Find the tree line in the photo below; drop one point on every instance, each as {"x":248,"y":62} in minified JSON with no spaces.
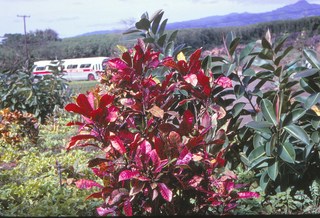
{"x":46,"y":44}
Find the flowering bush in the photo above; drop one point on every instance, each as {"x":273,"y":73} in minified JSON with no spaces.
{"x":160,"y":135}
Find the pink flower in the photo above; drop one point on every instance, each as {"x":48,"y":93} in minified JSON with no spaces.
{"x":223,"y":81}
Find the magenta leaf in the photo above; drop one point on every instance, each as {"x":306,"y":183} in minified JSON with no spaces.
{"x":112,"y":114}
{"x":185,"y":157}
{"x":87,"y":184}
{"x":117,"y":144}
{"x":105,"y":211}
{"x":195,"y":181}
{"x":154,"y":157}
{"x":165,"y":192}
{"x":248,"y":195}
{"x":127,"y":174}
{"x":117,"y":63}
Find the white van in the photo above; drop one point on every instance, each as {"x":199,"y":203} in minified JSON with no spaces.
{"x":74,"y":69}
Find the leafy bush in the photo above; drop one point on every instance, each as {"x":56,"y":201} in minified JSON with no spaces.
{"x":280,"y":138}
{"x":14,"y":126}
{"x":159,"y":127}
{"x":19,"y":90}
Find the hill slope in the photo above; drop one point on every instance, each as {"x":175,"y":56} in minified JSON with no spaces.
{"x":294,"y":11}
{"x":297,"y":10}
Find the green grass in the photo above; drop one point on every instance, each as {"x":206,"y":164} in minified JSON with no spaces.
{"x":82,"y":86}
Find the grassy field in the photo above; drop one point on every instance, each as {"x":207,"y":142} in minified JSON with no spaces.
{"x":82,"y":86}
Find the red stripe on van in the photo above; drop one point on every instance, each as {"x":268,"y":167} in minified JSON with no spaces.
{"x":41,"y":72}
{"x":86,"y":70}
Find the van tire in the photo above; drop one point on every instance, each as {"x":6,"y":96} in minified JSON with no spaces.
{"x":91,"y":77}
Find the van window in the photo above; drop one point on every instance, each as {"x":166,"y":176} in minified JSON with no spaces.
{"x":40,"y":68}
{"x":85,"y":65}
{"x":72,"y":66}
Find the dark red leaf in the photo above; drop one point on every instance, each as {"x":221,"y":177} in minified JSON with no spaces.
{"x":174,"y":138}
{"x":96,"y":161}
{"x":95,"y":195}
{"x":72,"y":123}
{"x":166,"y":127}
{"x":76,"y":109}
{"x":83,"y":102}
{"x":169,"y":62}
{"x":127,"y":208}
{"x":106,"y":100}
{"x":77,"y":138}
{"x":136,"y":188}
{"x":127,"y":58}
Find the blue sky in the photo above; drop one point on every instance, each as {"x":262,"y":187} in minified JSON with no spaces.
{"x":74,"y":17}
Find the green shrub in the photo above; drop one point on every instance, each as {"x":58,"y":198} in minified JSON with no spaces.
{"x":22,"y":91}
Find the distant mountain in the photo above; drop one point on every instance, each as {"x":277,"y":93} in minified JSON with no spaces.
{"x":294,"y":11}
{"x":297,"y":10}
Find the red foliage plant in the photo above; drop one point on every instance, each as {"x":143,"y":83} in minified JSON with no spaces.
{"x":162,"y":142}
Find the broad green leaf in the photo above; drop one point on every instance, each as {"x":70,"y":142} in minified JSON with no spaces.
{"x":162,"y":27}
{"x":311,"y":57}
{"x":260,"y":162}
{"x":239,"y":91}
{"x":256,"y":153}
{"x":298,"y":133}
{"x":265,"y":43}
{"x":247,"y":50}
{"x":233,"y":45}
{"x":244,"y":159}
{"x":156,"y":21}
{"x":229,"y":39}
{"x":287,"y":152}
{"x":259,"y":125}
{"x":143,"y":24}
{"x":268,"y":111}
{"x":273,"y":170}
{"x":173,"y":36}
{"x":306,"y":73}
{"x":315,"y":137}
{"x":264,"y":180}
{"x":271,"y":144}
{"x":312,"y":100}
{"x":279,"y":43}
{"x":162,"y":40}
{"x":307,"y":151}
{"x":169,"y":49}
{"x":249,"y":72}
{"x":237,"y":108}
